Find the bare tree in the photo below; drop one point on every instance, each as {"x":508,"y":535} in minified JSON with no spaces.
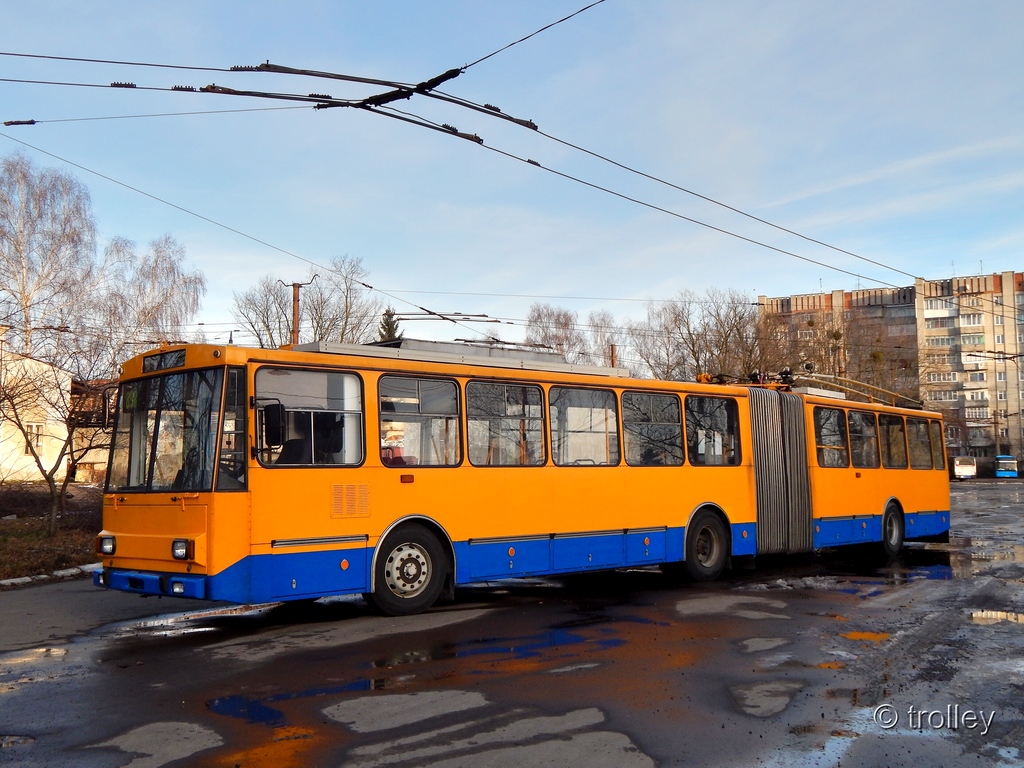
{"x":656,"y":340}
{"x":47,"y":249}
{"x":338,"y":307}
{"x":557,"y":329}
{"x":70,"y":316}
{"x":717,"y":333}
{"x":265,"y":310}
{"x":605,"y":337}
{"x":148,"y":296}
{"x":334,"y":305}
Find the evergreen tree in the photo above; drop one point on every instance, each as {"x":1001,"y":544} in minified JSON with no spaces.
{"x":388,"y":329}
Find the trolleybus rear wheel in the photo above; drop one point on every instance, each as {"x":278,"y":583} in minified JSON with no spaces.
{"x":707,"y":547}
{"x":892,"y":531}
{"x":410,"y":571}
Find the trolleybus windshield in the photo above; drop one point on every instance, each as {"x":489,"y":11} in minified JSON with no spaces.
{"x":165,"y":436}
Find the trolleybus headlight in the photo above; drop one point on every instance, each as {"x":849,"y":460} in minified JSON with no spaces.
{"x":106,"y":545}
{"x":183,"y":549}
{"x":177,"y":588}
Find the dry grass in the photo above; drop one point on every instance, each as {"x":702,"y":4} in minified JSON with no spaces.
{"x":26,"y":550}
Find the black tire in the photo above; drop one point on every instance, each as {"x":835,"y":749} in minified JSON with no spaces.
{"x":410,"y":571}
{"x":707,"y":547}
{"x":892,"y":531}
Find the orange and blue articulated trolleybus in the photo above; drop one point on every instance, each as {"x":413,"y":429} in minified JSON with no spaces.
{"x":400,"y":472}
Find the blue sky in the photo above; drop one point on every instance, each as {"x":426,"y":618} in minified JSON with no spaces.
{"x":894,"y":130}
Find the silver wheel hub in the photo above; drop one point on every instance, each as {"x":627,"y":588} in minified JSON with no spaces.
{"x":407,"y":570}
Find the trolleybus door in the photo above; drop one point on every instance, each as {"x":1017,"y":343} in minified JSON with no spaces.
{"x":780,"y":472}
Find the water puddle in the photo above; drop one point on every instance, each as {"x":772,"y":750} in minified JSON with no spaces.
{"x":765,"y":699}
{"x":996,"y":617}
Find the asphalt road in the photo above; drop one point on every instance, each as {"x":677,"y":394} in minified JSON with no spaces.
{"x":838,"y":659}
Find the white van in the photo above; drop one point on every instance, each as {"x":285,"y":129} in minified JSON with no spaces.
{"x":964,"y":467}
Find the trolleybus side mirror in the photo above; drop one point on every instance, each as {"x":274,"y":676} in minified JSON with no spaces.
{"x":273,"y":424}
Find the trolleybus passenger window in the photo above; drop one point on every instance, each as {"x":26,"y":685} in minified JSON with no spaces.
{"x":920,"y":446}
{"x":863,"y":440}
{"x":323,"y":417}
{"x":652,"y":429}
{"x":830,"y":437}
{"x":894,"y":442}
{"x":419,"y":422}
{"x":938,"y":446}
{"x":584,"y":427}
{"x":712,"y":430}
{"x":506,"y":424}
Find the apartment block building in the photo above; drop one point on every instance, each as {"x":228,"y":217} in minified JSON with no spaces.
{"x":954,"y":344}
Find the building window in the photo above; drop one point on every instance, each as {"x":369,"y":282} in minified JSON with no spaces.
{"x":999,"y":320}
{"x":942,"y":394}
{"x":972,"y":338}
{"x":939,"y":322}
{"x":901,"y":312}
{"x":975,"y":318}
{"x":976,"y":414}
{"x":1000,"y":339}
{"x":1000,"y":375}
{"x":942,"y":376}
{"x":978,"y":394}
{"x":33,"y":438}
{"x":1001,"y":395}
{"x":939,"y":341}
{"x":943,"y":303}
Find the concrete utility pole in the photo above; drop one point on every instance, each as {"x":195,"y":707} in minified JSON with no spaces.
{"x":295,"y":307}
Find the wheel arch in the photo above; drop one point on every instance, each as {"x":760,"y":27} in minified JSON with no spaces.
{"x":717,"y":511}
{"x":895,"y":502}
{"x":431,"y":525}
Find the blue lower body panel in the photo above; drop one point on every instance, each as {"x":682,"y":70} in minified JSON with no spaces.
{"x":860,"y":530}
{"x":304,"y":575}
{"x":481,"y":560}
{"x":151,"y":583}
{"x":256,"y":579}
{"x":920,"y":524}
{"x":847,"y":530}
{"x":744,"y":539}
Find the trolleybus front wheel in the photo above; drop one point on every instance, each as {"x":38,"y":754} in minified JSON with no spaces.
{"x":410,"y":571}
{"x":892,"y":531}
{"x":707,"y":547}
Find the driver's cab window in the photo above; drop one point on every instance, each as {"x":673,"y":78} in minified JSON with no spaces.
{"x":308,"y":418}
{"x":233,"y":453}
